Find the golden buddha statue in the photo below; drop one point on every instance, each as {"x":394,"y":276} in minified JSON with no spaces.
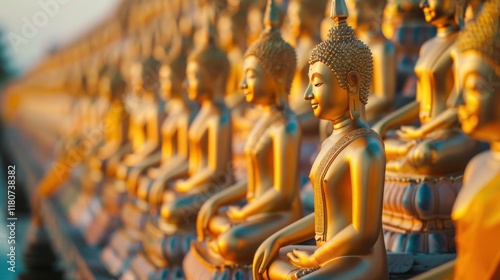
{"x":143,"y":116}
{"x":147,"y":118}
{"x":437,"y":147}
{"x":304,"y":26}
{"x":476,"y":209}
{"x":208,"y":165}
{"x":348,"y":173}
{"x":112,"y":130}
{"x":405,"y":25}
{"x":180,"y":112}
{"x":426,"y":163}
{"x":82,"y":132}
{"x":230,"y":238}
{"x":210,"y":133}
{"x":156,"y":176}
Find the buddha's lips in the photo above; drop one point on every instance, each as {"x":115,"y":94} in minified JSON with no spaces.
{"x":314,"y":105}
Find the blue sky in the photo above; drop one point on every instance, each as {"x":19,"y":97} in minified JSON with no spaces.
{"x":32,"y":27}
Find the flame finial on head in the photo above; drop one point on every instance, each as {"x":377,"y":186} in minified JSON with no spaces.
{"x":271,"y":20}
{"x":338,"y":12}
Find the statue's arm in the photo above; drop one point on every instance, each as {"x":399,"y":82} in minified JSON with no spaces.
{"x":446,"y":119}
{"x":367,"y":166}
{"x":403,"y":115}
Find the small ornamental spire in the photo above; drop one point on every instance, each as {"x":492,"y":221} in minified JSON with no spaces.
{"x":271,"y":21}
{"x":338,"y":12}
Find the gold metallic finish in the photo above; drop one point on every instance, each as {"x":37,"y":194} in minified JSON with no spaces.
{"x":230,"y":238}
{"x":347,"y":177}
{"x":437,"y":147}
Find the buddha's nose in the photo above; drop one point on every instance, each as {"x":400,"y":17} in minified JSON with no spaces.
{"x":243,"y":83}
{"x":308,"y":95}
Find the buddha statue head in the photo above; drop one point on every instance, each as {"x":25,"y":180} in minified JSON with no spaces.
{"x":207,"y":69}
{"x":305,"y":16}
{"x":172,"y":75}
{"x":439,"y":13}
{"x":479,"y":74}
{"x":340,"y":71}
{"x":111,"y":84}
{"x":269,"y":65}
{"x":144,"y":76}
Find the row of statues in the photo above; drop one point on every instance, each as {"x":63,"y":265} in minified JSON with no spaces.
{"x":160,"y":192}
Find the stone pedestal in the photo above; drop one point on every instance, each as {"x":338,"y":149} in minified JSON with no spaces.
{"x":126,"y":242}
{"x":417,"y":214}
{"x":163,"y":250}
{"x":417,"y":220}
{"x":105,"y":214}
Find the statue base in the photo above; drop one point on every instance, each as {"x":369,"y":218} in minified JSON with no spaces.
{"x":417,"y":221}
{"x":163,"y":252}
{"x":126,"y":242}
{"x":199,"y":264}
{"x":105,"y":213}
{"x":120,"y":251}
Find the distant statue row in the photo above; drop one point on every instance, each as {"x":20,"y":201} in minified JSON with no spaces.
{"x":174,"y":182}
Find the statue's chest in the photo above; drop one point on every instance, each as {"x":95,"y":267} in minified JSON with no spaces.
{"x":436,"y":63}
{"x":260,"y":139}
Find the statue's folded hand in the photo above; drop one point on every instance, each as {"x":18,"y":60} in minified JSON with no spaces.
{"x":264,"y":255}
{"x":410,"y":133}
{"x":302,"y":259}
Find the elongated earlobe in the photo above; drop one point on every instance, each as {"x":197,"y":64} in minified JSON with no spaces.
{"x":353,"y":81}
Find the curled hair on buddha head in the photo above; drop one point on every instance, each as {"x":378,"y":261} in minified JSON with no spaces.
{"x":211,"y":58}
{"x":276,"y":56}
{"x":117,"y":83}
{"x":483,"y":35}
{"x":345,"y":55}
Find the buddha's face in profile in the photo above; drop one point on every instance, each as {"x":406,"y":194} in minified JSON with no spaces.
{"x":256,"y":84}
{"x":479,"y":115}
{"x":438,"y":12}
{"x":199,"y":85}
{"x":137,"y":83}
{"x":328,"y":100}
